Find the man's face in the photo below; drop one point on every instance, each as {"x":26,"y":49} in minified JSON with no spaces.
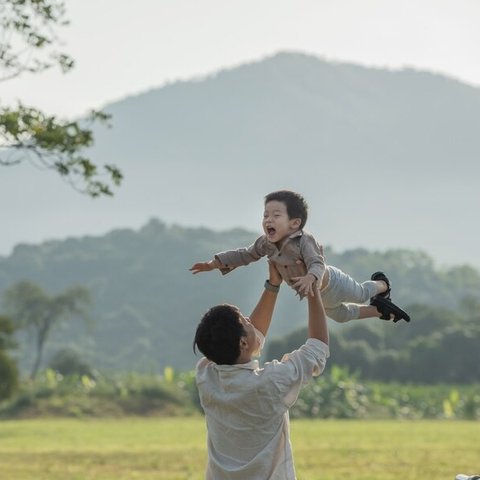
{"x":276,"y":223}
{"x":252,"y":339}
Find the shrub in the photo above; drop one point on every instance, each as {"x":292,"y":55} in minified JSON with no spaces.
{"x":8,"y":376}
{"x":69,"y":362}
{"x":335,"y":394}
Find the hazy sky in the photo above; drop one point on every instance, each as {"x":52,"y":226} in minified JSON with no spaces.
{"x":123,"y":47}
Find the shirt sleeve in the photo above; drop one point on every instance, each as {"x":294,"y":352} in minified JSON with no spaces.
{"x":297,"y":368}
{"x":312,"y":255}
{"x":231,"y":259}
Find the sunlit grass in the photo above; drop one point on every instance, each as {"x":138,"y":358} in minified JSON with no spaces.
{"x":175,"y":449}
{"x":386,"y":450}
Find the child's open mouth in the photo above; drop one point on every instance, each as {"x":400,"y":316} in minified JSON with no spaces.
{"x":271,"y":231}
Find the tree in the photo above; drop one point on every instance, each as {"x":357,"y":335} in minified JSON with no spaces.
{"x":33,"y":309}
{"x":28,"y":39}
{"x":8,"y":369}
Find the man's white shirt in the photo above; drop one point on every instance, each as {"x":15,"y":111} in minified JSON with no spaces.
{"x":246,"y":409}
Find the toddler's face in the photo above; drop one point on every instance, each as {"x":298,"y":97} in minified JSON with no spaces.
{"x":276,"y":223}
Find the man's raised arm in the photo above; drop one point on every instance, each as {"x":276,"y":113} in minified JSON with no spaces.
{"x":317,"y":319}
{"x":261,"y":316}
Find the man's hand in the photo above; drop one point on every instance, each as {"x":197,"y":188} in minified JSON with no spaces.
{"x":304,"y":285}
{"x":203,"y":267}
{"x":274,"y":276}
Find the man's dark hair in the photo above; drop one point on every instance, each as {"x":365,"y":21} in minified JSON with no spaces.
{"x":296,"y":205}
{"x":218,"y":334}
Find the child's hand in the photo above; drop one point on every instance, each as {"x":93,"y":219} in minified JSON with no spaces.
{"x":202,"y":267}
{"x":304,"y":285}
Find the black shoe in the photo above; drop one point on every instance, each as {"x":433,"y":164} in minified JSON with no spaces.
{"x":387,"y":308}
{"x":382,"y":276}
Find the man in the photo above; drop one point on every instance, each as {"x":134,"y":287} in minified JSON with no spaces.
{"x":246,"y":406}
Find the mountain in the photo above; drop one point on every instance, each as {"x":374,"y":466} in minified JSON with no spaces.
{"x":146,"y":304}
{"x":386,"y":159}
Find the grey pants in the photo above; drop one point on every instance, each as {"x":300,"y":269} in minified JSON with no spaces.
{"x":342,"y":295}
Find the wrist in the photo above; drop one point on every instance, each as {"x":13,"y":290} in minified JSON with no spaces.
{"x":271,"y":287}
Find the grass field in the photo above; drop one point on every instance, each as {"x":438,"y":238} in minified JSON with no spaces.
{"x":174,"y":449}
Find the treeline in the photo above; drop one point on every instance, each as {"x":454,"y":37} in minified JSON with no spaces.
{"x":438,"y":346}
{"x":146,"y":304}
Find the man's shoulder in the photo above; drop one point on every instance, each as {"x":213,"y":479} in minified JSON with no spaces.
{"x":203,"y":363}
{"x":311,"y":346}
{"x":204,"y":369}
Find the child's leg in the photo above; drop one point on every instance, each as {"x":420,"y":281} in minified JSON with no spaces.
{"x":343,"y":296}
{"x":353,"y":311}
{"x":342,"y":288}
{"x":368,"y":311}
{"x":344,"y":312}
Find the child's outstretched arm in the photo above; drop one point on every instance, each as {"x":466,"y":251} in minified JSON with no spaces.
{"x":230,"y":259}
{"x":205,"y":266}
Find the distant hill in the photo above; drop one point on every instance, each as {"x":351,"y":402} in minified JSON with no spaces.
{"x":147,"y":304}
{"x":386,"y":159}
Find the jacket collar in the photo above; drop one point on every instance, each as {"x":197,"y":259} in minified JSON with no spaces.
{"x":298,"y":233}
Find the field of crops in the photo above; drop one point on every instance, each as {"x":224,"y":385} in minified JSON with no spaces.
{"x":174,"y":449}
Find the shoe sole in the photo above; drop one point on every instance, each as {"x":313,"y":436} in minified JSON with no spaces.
{"x":387,"y":307}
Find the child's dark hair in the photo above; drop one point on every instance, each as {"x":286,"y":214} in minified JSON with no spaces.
{"x":218,"y":334}
{"x":296,"y":205}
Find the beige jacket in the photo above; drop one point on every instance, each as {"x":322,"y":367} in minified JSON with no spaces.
{"x":301,"y":245}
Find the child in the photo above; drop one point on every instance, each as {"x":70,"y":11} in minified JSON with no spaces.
{"x":288,"y":246}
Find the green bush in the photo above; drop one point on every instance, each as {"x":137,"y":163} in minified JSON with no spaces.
{"x":335,"y":394}
{"x":69,"y":362}
{"x":52,"y":394}
{"x":8,"y":368}
{"x":8,"y":377}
